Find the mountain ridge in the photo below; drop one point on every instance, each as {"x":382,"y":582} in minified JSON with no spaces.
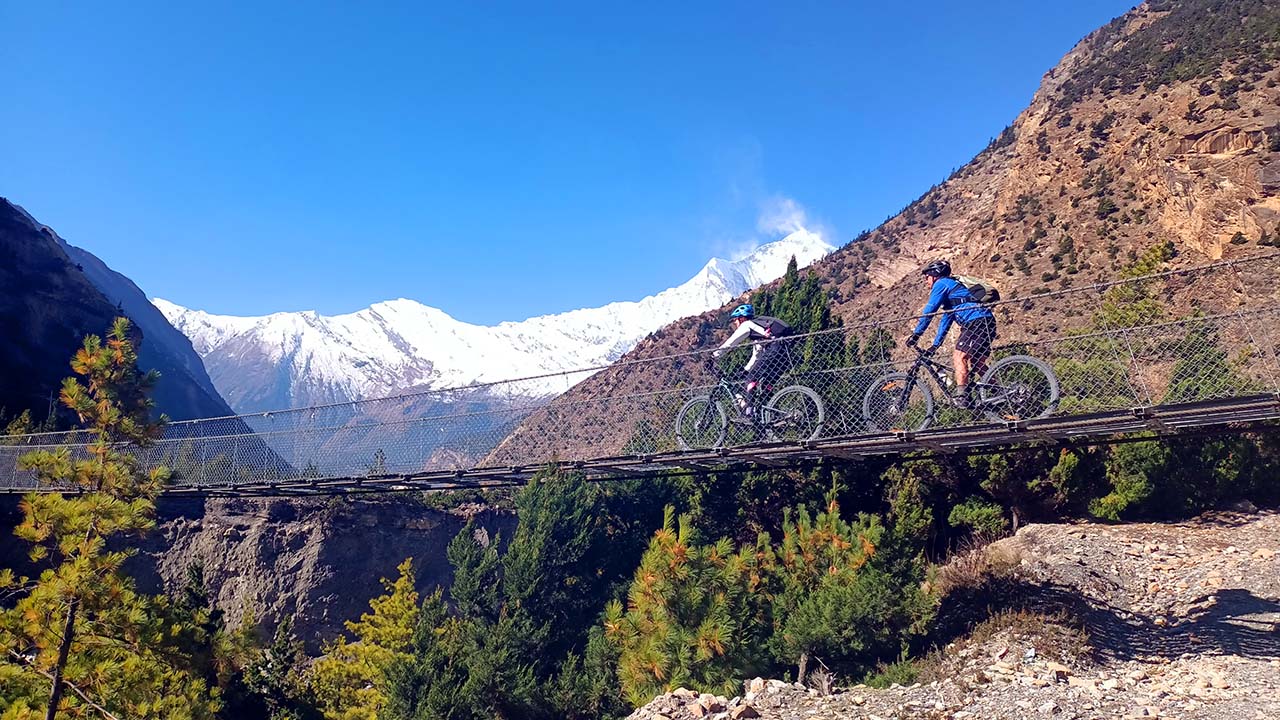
{"x":294,"y":359}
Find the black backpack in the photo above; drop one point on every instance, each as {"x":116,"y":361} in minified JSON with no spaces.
{"x":773,"y":327}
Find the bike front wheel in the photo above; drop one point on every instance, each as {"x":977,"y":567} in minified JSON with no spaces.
{"x":701,"y":424}
{"x":1018,"y":387}
{"x":795,"y":414}
{"x":896,"y":402}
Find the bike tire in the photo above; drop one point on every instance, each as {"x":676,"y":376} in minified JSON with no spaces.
{"x":816,"y":414}
{"x":1034,"y":384}
{"x":880,"y":397}
{"x":700,"y":410}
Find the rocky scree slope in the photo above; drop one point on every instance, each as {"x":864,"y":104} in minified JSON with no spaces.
{"x":1162,"y":126}
{"x":52,"y":294}
{"x":302,"y":359}
{"x":1130,"y":621}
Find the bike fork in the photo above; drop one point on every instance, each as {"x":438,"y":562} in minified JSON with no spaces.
{"x":907,"y":386}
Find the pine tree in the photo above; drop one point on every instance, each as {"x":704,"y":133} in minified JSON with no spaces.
{"x":81,"y":632}
{"x":275,"y":678}
{"x":850,"y":592}
{"x":219,"y":655}
{"x":350,"y":682}
{"x":827,"y":605}
{"x":20,"y":425}
{"x":477,"y":571}
{"x":692,"y":617}
{"x":553,"y":568}
{"x":518,"y":643}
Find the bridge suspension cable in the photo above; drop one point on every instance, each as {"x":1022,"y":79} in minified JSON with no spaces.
{"x":1161,"y":353}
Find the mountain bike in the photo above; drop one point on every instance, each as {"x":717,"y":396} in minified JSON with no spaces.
{"x":794,"y":413}
{"x":1018,"y":387}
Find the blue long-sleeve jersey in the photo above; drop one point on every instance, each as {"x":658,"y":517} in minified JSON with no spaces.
{"x":954,"y":299}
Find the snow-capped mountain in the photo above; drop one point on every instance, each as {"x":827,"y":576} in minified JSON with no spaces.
{"x":303,"y":358}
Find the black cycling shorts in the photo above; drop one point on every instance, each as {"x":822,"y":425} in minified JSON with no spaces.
{"x":976,"y":337}
{"x":773,"y":361}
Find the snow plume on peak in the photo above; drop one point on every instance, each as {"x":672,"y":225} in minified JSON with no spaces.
{"x":299,"y":359}
{"x":782,"y":216}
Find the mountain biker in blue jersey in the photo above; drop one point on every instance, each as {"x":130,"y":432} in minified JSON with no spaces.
{"x":977,"y":326}
{"x":768,"y":359}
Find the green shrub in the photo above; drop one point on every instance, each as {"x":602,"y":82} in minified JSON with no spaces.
{"x":1131,"y":470}
{"x":1192,"y":41}
{"x":900,"y":672}
{"x":979,"y":516}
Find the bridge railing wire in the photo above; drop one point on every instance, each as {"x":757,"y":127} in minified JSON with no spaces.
{"x":1128,"y":343}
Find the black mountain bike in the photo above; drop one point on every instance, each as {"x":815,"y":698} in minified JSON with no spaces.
{"x":1018,"y":387}
{"x":795,"y":413}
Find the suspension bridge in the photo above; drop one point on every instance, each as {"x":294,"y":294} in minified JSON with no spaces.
{"x":1188,"y":351}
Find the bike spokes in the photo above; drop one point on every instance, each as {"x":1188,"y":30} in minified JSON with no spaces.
{"x":1018,"y":388}
{"x":897,"y":402}
{"x":795,"y":414}
{"x":701,"y":424}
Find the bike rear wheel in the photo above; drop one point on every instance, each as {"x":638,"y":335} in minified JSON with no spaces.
{"x":895,"y":402}
{"x":701,"y":424}
{"x":794,"y":414}
{"x":1018,"y":387}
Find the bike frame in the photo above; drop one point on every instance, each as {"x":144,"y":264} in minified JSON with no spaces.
{"x":936,"y":370}
{"x":939,"y":370}
{"x":723,"y":393}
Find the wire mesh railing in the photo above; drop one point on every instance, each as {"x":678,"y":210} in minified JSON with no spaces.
{"x":1195,"y":335}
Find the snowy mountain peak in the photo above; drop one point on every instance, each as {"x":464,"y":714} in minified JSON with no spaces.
{"x":303,"y":358}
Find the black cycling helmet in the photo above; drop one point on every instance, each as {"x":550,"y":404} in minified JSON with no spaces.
{"x":937,"y":268}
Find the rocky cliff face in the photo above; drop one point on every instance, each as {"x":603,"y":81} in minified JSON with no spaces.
{"x":317,"y":560}
{"x":52,"y":294}
{"x":47,"y":306}
{"x":1164,"y":125}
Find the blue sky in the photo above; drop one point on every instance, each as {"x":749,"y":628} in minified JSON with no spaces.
{"x":496,"y":160}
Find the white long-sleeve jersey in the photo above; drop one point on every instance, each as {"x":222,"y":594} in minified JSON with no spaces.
{"x":751,"y":329}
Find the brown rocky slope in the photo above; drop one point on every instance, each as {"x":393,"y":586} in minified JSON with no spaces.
{"x":1164,"y":125}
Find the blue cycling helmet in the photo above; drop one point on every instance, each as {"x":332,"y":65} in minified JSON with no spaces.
{"x":743,"y":311}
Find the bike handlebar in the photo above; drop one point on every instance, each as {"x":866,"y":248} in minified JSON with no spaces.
{"x":714,"y":368}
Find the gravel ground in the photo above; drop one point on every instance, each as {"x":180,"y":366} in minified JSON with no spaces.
{"x":1171,"y":621}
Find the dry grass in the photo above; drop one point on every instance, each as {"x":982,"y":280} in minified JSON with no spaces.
{"x":1056,"y":636}
{"x":1052,"y":634}
{"x":974,"y":564}
{"x":822,"y":680}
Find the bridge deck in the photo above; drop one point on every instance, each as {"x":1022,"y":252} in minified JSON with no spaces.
{"x":1234,"y":415}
